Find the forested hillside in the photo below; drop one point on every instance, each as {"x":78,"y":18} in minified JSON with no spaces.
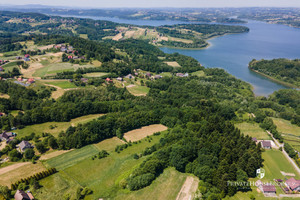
{"x":284,"y":70}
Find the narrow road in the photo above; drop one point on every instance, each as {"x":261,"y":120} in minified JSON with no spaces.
{"x":285,"y":153}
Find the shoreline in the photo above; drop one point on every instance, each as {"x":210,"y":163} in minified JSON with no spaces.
{"x":209,"y":44}
{"x":290,"y":85}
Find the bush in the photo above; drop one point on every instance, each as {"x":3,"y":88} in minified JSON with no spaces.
{"x":139,"y":182}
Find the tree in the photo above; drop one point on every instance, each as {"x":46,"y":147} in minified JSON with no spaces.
{"x":5,"y":191}
{"x":52,"y":143}
{"x":40,"y":147}
{"x":29,"y":153}
{"x":14,"y":155}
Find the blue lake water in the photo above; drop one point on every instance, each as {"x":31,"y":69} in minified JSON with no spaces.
{"x":234,"y":52}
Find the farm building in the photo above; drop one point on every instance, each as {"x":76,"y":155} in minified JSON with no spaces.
{"x":30,"y":80}
{"x":7,"y":135}
{"x":268,"y":189}
{"x":85,"y":80}
{"x":1,"y":69}
{"x":108,"y":80}
{"x":157,"y":76}
{"x":266,"y":144}
{"x":21,"y":195}
{"x":24,"y":145}
{"x":120,"y":79}
{"x":254,"y":139}
{"x":293,"y":184}
{"x":182,"y":75}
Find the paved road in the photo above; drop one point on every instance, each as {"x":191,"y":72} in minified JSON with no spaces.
{"x":285,"y":153}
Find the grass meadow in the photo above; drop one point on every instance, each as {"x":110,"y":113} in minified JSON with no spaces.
{"x":253,"y":130}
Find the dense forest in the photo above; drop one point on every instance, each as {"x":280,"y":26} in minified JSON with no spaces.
{"x":280,"y":69}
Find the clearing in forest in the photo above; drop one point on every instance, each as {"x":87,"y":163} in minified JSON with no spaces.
{"x":253,"y":130}
{"x":143,"y":132}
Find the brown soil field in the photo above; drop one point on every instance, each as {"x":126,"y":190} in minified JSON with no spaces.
{"x":143,"y":132}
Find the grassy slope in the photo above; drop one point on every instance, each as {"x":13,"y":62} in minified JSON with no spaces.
{"x":166,"y":186}
{"x":102,"y":176}
{"x":290,"y":132}
{"x":61,"y":126}
{"x":253,"y":130}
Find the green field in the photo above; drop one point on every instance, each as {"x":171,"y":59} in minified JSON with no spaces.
{"x":166,"y":74}
{"x":285,"y":127}
{"x":138,"y":90}
{"x":9,"y":66}
{"x":53,"y":68}
{"x":59,"y":126}
{"x":64,"y":84}
{"x":101,"y":175}
{"x":71,"y":158}
{"x":290,"y":132}
{"x":166,"y":186}
{"x":199,"y":73}
{"x":95,"y":74}
{"x":253,"y":130}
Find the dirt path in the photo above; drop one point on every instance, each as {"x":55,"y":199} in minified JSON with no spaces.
{"x":58,"y":93}
{"x":188,"y":189}
{"x":12,"y":167}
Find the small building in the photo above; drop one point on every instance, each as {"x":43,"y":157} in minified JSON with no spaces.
{"x":21,"y":195}
{"x":2,"y":114}
{"x":266,"y":144}
{"x":31,"y":80}
{"x":18,"y":57}
{"x":70,"y":57}
{"x":85,"y":80}
{"x":24,"y":145}
{"x":157,"y":76}
{"x":119,"y":79}
{"x":26,"y":59}
{"x":129,"y":76}
{"x":20,"y":79}
{"x":7,"y":135}
{"x":27,"y":56}
{"x":148,"y":74}
{"x":108,"y":80}
{"x":293,"y":184}
{"x":268,"y":188}
{"x":1,"y":69}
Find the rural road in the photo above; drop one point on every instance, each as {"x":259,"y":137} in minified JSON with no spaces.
{"x":285,"y":153}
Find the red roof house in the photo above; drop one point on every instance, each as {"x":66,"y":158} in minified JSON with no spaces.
{"x":27,"y":56}
{"x":268,"y":188}
{"x":31,"y":80}
{"x":266,"y":144}
{"x":293,"y":184}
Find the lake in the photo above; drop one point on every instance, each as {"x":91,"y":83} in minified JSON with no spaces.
{"x":234,"y":52}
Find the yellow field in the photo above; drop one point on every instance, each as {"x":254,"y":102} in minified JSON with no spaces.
{"x":15,"y":172}
{"x":143,"y":132}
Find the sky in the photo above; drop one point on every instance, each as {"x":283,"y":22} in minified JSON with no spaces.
{"x":158,"y":3}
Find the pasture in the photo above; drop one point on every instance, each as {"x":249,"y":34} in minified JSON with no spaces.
{"x":166,"y":186}
{"x":95,"y":74}
{"x":15,"y":172}
{"x":138,"y":90}
{"x":103,"y":176}
{"x":253,"y":130}
{"x":63,"y":84}
{"x":289,"y":132}
{"x":54,"y":128}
